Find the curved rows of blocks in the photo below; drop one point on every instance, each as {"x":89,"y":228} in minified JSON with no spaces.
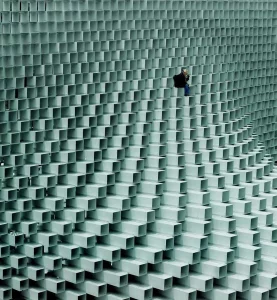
{"x":113,"y":185}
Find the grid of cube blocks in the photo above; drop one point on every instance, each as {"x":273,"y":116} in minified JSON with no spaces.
{"x":113,"y":185}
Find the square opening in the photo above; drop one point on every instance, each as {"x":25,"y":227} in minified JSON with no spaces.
{"x":142,"y":230}
{"x":158,"y":256}
{"x":169,"y":244}
{"x":5,"y":251}
{"x":204,"y":185}
{"x":7,"y":294}
{"x":24,"y":284}
{"x":247,"y":207}
{"x":241,"y":194}
{"x":126,"y":204}
{"x":230,"y":166}
{"x":181,"y":160}
{"x":46,"y":217}
{"x":196,"y":257}
{"x":19,"y":239}
{"x":222,"y":271}
{"x":62,"y":169}
{"x":274,"y":283}
{"x":259,"y":173}
{"x":181,"y":215}
{"x":2,"y":206}
{"x":67,"y":229}
{"x":177,"y":229}
{"x":201,"y":171}
{"x":245,"y":285}
{"x":53,"y":240}
{"x":22,"y":262}
{"x":265,"y":295}
{"x":257,"y":254}
{"x":80,"y":277}
{"x":130,"y":243}
{"x":90,"y":204}
{"x":230,"y":256}
{"x":98,"y":266}
{"x":162,"y":163}
{"x":148,"y":293}
{"x":168,"y":283}
{"x":233,"y":241}
{"x":269,"y":219}
{"x":89,"y":168}
{"x":203,"y":243}
{"x":57,"y":263}
{"x":161,"y":176}
{"x":90,"y":242}
{"x":7,"y":273}
{"x":184,"y":271}
{"x":71,"y":192}
{"x":256,"y":238}
{"x":116,"y":255}
{"x":142,"y":269}
{"x":236,"y":179}
{"x":229,"y":210}
{"x":38,"y":251}
{"x":182,"y":201}
{"x":80,"y":216}
{"x":225,"y":153}
{"x":123,"y":280}
{"x":41,"y":295}
{"x":132,"y":191}
{"x":208,"y":213}
{"x":102,"y":290}
{"x":82,"y":297}
{"x":197,"y":159}
{"x":255,"y":191}
{"x":27,"y":205}
{"x":75,"y":253}
{"x":81,"y":180}
{"x":221,"y":182}
{"x":208,"y":284}
{"x":155,"y":203}
{"x":183,"y":187}
{"x":274,"y":235}
{"x":40,"y":274}
{"x":116,"y":217}
{"x":104,"y":230}
{"x":254,"y":223}
{"x":16,"y":217}
{"x":232,"y":225}
{"x":150,"y":216}
{"x":207,"y":228}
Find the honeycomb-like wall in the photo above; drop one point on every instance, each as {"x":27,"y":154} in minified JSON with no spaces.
{"x":115,"y":186}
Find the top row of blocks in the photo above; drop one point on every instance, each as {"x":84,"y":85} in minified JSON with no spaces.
{"x":50,"y":5}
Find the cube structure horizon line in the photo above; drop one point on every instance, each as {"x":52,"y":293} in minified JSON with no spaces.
{"x":113,"y":185}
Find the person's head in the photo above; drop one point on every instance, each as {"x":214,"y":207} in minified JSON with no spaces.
{"x":185,"y":71}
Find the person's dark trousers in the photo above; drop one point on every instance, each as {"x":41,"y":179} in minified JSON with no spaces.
{"x":187,"y":90}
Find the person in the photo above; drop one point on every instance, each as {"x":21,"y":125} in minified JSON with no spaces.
{"x":181,"y":81}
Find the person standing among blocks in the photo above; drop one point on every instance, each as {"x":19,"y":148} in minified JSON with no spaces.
{"x":181,"y":81}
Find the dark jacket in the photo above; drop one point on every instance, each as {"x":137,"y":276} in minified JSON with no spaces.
{"x":180,"y":80}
